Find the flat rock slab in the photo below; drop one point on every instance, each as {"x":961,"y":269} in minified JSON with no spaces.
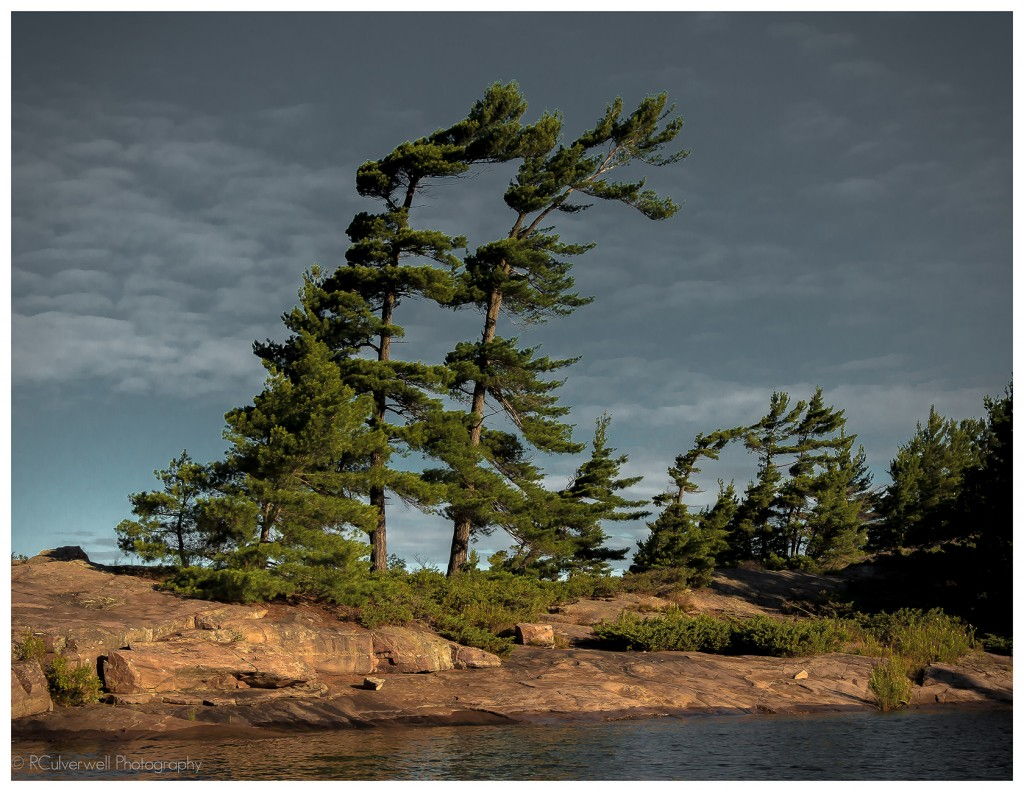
{"x":83,"y":610}
{"x":195,"y":664}
{"x":540,"y":685}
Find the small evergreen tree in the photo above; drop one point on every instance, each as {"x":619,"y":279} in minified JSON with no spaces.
{"x":836,"y":523}
{"x":595,"y":493}
{"x":919,"y":507}
{"x":677,"y":538}
{"x":295,"y":467}
{"x":168,"y":524}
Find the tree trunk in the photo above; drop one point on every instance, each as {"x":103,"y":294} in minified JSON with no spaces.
{"x":463,"y":525}
{"x":378,"y":538}
{"x":179,"y":532}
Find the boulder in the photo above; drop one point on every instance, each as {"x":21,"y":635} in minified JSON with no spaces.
{"x":30,"y":694}
{"x":66,"y":553}
{"x":373,"y":683}
{"x":187,"y":664}
{"x":410,"y":651}
{"x":801,"y":675}
{"x":471,"y":657}
{"x":535,"y":634}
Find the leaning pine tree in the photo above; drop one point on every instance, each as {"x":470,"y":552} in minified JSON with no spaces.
{"x":527,"y":275}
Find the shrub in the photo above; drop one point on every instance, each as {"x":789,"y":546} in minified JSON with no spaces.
{"x":377,"y":613}
{"x":766,"y":636}
{"x":671,"y":630}
{"x":229,"y":585}
{"x":590,"y":587}
{"x":802,"y":563}
{"x":922,"y":637}
{"x":760,"y":635}
{"x":462,"y":631}
{"x":890,"y":684}
{"x":997,"y":644}
{"x":30,"y":647}
{"x":656,"y":581}
{"x":72,"y":685}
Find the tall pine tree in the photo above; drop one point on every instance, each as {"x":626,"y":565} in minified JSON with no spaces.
{"x":527,"y":275}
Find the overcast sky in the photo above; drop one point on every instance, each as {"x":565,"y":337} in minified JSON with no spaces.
{"x":846,"y":221}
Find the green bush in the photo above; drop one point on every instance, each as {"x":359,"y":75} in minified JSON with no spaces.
{"x":802,"y":563}
{"x":462,"y":631}
{"x":922,"y":637}
{"x":890,"y":684}
{"x":997,"y":644}
{"x":375,"y":614}
{"x":656,"y":581}
{"x":669,"y":631}
{"x":72,"y":685}
{"x":589,"y":587}
{"x":30,"y":647}
{"x":761,"y":635}
{"x":229,"y":585}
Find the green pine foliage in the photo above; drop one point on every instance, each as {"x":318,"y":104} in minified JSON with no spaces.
{"x":680,"y":539}
{"x":167,"y":525}
{"x":564,"y":535}
{"x":390,"y":261}
{"x":811,"y":498}
{"x":919,"y":507}
{"x":294,"y":470}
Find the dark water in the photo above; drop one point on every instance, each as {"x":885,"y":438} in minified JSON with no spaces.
{"x":940,"y":745}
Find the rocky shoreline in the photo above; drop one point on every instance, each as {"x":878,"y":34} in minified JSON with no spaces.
{"x":173,"y":666}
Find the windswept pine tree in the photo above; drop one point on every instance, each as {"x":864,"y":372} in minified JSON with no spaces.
{"x":678,"y":539}
{"x":354,"y":309}
{"x":752,"y":535}
{"x":801,"y":514}
{"x":813,"y":441}
{"x":527,"y":275}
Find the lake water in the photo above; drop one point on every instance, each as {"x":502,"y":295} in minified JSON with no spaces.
{"x":923,"y":744}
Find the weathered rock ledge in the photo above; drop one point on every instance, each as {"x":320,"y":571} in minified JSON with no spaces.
{"x":178,"y":666}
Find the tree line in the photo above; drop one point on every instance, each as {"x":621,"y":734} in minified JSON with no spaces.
{"x":343,"y":426}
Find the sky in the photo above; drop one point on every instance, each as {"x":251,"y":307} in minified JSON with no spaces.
{"x":845,"y":222}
